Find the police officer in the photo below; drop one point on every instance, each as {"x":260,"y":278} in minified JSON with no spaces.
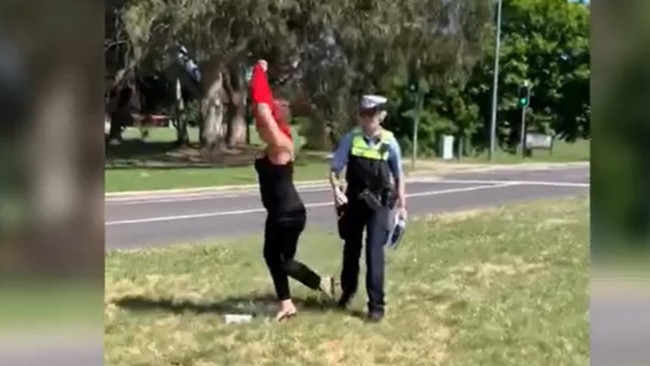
{"x":375,"y":185}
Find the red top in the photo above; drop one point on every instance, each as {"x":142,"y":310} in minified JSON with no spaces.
{"x":261,"y":93}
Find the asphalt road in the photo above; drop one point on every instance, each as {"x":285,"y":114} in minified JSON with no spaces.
{"x":180,"y":218}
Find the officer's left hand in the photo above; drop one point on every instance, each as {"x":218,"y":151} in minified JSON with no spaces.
{"x":340,"y":198}
{"x":401,"y":211}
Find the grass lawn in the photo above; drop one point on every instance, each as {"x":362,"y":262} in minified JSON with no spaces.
{"x":507,"y":286}
{"x":562,"y":152}
{"x":121,"y":180}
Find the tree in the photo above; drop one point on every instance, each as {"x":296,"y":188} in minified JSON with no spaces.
{"x":155,"y":31}
{"x":227,"y":36}
{"x":328,"y":54}
{"x":545,"y":42}
{"x":374,"y":45}
{"x":132,"y":40}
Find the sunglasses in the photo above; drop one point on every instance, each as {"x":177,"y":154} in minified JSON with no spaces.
{"x":369,"y":112}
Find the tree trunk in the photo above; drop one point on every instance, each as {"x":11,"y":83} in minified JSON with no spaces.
{"x":115,"y":130}
{"x":126,"y":103}
{"x":237,"y":112}
{"x":213,"y":112}
{"x":114,"y":120}
{"x":182,"y":136}
{"x":180,"y":120}
{"x":213,"y":107}
{"x":212,"y":124}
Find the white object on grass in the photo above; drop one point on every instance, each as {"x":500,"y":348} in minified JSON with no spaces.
{"x":238,"y":318}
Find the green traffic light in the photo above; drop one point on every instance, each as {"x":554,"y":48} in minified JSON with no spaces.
{"x":523,"y":101}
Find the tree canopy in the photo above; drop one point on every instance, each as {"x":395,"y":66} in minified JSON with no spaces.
{"x":326,"y":54}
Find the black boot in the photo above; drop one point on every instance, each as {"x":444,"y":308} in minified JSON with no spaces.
{"x":375,"y":316}
{"x":344,"y":301}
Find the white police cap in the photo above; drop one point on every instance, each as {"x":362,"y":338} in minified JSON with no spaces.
{"x":372,"y":101}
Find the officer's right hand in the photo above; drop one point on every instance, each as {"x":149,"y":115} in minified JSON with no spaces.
{"x":340,"y":198}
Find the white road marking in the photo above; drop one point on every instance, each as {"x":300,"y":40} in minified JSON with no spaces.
{"x":308,"y":205}
{"x":515,"y":182}
{"x":189,"y":197}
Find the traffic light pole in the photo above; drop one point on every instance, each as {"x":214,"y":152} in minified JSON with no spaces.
{"x":522,"y":129}
{"x":522,"y":132}
{"x":495,"y":84}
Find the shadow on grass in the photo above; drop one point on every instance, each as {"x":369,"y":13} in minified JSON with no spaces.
{"x":137,"y":154}
{"x":257,"y":305}
{"x":140,"y":155}
{"x":137,"y":149}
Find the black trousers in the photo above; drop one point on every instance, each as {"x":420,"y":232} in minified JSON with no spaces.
{"x":358,"y":216}
{"x":281,"y":234}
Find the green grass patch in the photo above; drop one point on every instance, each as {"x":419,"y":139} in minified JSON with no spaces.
{"x":139,"y":179}
{"x":563,"y":152}
{"x":159,"y":134}
{"x":507,"y":286}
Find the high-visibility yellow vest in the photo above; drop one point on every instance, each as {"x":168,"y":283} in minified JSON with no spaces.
{"x":378,"y":151}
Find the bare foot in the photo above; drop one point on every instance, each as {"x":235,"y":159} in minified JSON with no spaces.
{"x":287,"y":310}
